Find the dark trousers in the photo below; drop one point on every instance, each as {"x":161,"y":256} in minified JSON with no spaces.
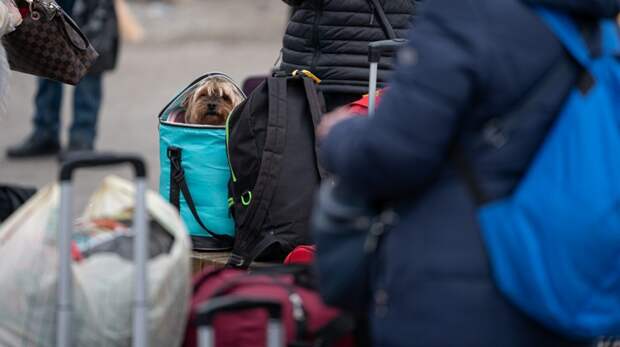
{"x":86,"y":104}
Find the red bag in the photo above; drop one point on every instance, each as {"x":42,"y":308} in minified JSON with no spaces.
{"x":305,"y":318}
{"x":301,"y":255}
{"x":360,"y":107}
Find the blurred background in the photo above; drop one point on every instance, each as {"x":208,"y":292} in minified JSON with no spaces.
{"x":166,"y":45}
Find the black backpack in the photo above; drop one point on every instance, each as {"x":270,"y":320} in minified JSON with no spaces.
{"x":275,"y":170}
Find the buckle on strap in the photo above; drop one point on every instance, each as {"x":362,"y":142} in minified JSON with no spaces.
{"x":236,"y":261}
{"x":308,"y":74}
{"x":174,"y":155}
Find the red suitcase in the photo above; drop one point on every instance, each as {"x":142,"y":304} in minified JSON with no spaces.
{"x":231,"y":307}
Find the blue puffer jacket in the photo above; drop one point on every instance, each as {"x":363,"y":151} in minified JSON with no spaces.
{"x":468,"y":62}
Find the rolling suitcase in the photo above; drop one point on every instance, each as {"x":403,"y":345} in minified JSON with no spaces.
{"x":208,"y":312}
{"x":241,"y":308}
{"x":375,"y":51}
{"x":65,"y":285}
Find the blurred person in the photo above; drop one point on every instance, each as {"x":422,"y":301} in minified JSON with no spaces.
{"x":97,"y":19}
{"x":10,"y":18}
{"x":330,"y":39}
{"x":466,"y":62}
{"x":11,"y":197}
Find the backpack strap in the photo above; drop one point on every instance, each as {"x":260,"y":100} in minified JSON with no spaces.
{"x":316,"y":111}
{"x":564,"y":28}
{"x":573,"y":39}
{"x":249,"y":243}
{"x":383,"y":19}
{"x":178,"y":186}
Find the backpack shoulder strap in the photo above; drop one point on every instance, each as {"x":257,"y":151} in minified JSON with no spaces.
{"x":250,"y":242}
{"x":316,"y":110}
{"x":573,"y":39}
{"x":383,"y":19}
{"x":611,"y":38}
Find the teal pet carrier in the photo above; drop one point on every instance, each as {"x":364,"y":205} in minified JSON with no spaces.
{"x":195,"y":172}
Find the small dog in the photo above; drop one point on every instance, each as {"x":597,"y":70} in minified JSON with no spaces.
{"x":212,"y":102}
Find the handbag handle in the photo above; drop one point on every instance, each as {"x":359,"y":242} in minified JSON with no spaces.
{"x":68,"y":20}
{"x":51,"y":10}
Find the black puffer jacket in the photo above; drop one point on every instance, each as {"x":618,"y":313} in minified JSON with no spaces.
{"x":330,"y":38}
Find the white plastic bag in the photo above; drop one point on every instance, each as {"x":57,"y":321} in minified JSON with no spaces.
{"x":103,"y":282}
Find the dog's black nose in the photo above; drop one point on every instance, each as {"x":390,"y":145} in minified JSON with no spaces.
{"x":211,"y":107}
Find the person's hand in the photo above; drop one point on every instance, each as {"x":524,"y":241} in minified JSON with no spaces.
{"x":330,"y":119}
{"x":10,"y":17}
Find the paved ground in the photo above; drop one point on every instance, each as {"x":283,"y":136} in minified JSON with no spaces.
{"x":239,"y":37}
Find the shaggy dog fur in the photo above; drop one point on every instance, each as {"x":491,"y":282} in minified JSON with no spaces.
{"x":212,"y":102}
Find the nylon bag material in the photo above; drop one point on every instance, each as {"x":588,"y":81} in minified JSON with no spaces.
{"x":204,"y":161}
{"x":555,"y":243}
{"x":273,"y":158}
{"x":206,"y":171}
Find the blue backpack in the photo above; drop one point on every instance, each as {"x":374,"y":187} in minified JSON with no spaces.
{"x":555,"y":242}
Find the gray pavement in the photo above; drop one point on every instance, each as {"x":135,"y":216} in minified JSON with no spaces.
{"x":239,"y":37}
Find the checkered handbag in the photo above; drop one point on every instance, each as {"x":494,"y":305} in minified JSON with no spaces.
{"x":49,"y":44}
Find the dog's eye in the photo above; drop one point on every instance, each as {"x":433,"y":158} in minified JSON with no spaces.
{"x":226,"y":98}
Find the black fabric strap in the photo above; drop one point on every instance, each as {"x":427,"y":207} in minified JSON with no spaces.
{"x":248,"y":233}
{"x":178,"y":185}
{"x":175,"y":191}
{"x":383,"y":19}
{"x":316,"y":110}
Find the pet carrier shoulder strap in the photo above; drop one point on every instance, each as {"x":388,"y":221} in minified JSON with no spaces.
{"x":178,"y":186}
{"x":383,"y":19}
{"x":249,"y":236}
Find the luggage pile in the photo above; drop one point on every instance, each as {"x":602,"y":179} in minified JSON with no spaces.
{"x":85,"y":286}
{"x":121,"y":274}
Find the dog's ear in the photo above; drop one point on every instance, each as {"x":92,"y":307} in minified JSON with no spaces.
{"x":237,"y":98}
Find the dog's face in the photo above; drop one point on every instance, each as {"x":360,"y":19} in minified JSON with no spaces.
{"x":212,"y":102}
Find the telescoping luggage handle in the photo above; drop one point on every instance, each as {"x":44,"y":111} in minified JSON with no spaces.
{"x":65,"y":288}
{"x":375,"y":51}
{"x":208,"y":312}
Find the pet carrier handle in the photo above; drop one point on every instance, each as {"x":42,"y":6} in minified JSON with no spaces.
{"x":65,"y":286}
{"x":208,"y":312}
{"x":377,"y":49}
